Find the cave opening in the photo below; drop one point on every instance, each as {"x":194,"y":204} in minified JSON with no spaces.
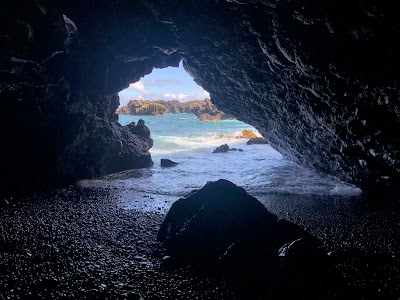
{"x":319,"y":82}
{"x":173,"y":107}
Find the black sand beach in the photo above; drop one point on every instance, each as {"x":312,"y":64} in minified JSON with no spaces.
{"x":79,"y":242}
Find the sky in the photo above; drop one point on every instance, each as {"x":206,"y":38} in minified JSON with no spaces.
{"x":166,"y":84}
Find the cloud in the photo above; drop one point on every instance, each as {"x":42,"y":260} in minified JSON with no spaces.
{"x":126,"y":96}
{"x":176,"y":96}
{"x":139,"y":86}
{"x":203,"y":94}
{"x":163,"y":82}
{"x":144,"y":90}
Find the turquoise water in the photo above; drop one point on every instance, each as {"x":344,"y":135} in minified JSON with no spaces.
{"x":184,"y":132}
{"x":260,"y":169}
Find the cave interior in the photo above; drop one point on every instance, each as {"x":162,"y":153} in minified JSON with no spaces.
{"x":318,"y":79}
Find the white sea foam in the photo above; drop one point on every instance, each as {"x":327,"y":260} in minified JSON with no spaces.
{"x":259,"y":168}
{"x":346,"y":190}
{"x":192,"y":143}
{"x":314,"y":188}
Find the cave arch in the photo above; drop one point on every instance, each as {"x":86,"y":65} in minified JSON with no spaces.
{"x":319,"y":81}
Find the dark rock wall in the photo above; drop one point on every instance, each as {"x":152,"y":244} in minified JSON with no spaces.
{"x":318,"y":79}
{"x":58,"y":101}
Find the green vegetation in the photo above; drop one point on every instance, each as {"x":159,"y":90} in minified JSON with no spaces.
{"x":203,"y":109}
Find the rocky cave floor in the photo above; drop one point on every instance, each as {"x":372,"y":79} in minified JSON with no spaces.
{"x":78,"y":242}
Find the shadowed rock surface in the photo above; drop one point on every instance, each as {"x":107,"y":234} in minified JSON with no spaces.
{"x":221,"y":225}
{"x":318,"y":79}
{"x":213,"y":219}
{"x":219,"y":217}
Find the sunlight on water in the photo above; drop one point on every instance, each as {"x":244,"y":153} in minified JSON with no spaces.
{"x":189,"y":142}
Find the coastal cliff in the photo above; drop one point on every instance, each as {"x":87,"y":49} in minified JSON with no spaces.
{"x":203,"y":109}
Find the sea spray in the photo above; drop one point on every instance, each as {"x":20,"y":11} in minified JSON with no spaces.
{"x":260,"y":169}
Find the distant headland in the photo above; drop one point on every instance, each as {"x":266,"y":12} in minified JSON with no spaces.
{"x":203,"y":109}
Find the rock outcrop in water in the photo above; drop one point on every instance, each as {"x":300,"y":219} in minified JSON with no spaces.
{"x":221,"y":149}
{"x":203,"y":109}
{"x":319,"y":79}
{"x":257,"y":141}
{"x":248,"y":134}
{"x":166,"y":163}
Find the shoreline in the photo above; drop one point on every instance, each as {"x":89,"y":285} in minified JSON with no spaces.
{"x":78,"y":243}
{"x":105,"y":250}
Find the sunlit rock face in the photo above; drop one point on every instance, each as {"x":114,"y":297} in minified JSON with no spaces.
{"x":317,"y":78}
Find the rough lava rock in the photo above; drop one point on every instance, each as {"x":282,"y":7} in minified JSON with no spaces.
{"x":211,"y":220}
{"x":222,"y":227}
{"x":220,"y":216}
{"x":318,"y":79}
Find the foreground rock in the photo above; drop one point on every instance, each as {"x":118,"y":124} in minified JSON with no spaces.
{"x":257,"y":140}
{"x":221,"y":225}
{"x":222,"y":218}
{"x":221,"y":149}
{"x":212,"y":220}
{"x":165,"y":163}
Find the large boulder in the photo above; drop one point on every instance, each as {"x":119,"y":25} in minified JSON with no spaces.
{"x":222,"y":227}
{"x":211,"y":220}
{"x":222,"y":216}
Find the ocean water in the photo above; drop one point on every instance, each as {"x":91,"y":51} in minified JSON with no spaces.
{"x":260,"y":169}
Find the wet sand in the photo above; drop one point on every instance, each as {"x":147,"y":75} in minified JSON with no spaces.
{"x":78,"y":243}
{"x":87,"y":242}
{"x":363,"y":237}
